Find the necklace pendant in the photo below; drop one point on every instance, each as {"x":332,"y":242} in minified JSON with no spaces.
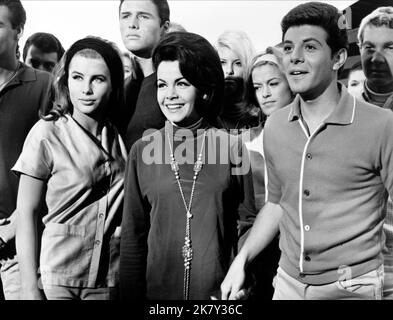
{"x":198,"y":166}
{"x":187,"y":253}
{"x":174,"y":166}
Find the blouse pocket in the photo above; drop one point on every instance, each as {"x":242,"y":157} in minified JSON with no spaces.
{"x":60,"y":229}
{"x":65,"y":249}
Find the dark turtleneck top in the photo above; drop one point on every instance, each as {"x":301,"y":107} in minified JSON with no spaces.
{"x":154,"y":216}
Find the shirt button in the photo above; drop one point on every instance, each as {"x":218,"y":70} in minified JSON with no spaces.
{"x":307,"y":193}
{"x":97,"y":242}
{"x":307,"y":258}
{"x":309,"y":156}
{"x":307,"y":228}
{"x":101,"y":216}
{"x":301,"y":275}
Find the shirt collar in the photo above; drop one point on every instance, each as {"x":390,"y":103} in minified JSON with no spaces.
{"x":343,"y":113}
{"x":25,"y":74}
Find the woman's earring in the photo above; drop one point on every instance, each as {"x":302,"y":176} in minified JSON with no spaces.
{"x":205,"y":97}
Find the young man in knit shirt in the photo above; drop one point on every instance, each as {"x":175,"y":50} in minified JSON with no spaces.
{"x":376,"y":47}
{"x":329,"y":160}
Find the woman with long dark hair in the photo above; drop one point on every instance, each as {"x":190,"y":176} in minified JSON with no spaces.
{"x":73,"y":163}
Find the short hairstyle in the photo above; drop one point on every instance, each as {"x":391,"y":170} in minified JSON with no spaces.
{"x":321,"y":15}
{"x":199,"y":64}
{"x":239,"y":42}
{"x":380,"y":17}
{"x":18,"y":13}
{"x":89,"y":47}
{"x":271,"y":57}
{"x":46,"y":42}
{"x":162,"y":7}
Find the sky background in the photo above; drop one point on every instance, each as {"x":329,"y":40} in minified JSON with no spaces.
{"x":72,"y":20}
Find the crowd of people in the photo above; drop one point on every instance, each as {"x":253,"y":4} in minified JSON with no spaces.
{"x":189,"y":170}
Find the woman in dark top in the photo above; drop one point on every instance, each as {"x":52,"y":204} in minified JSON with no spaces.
{"x":188,"y":191}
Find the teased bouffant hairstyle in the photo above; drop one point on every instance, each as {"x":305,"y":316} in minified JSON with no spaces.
{"x":18,"y":13}
{"x":46,"y":42}
{"x":322,"y":15}
{"x":199,"y":64}
{"x":238,"y":42}
{"x":94,"y":48}
{"x":162,"y":8}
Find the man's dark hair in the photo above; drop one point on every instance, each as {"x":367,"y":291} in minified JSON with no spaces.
{"x":18,"y":13}
{"x":162,"y":8}
{"x":321,"y":15}
{"x":46,"y":42}
{"x":199,"y":64}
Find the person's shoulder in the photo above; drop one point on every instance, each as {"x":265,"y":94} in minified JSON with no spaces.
{"x":368,"y":111}
{"x":30,"y":74}
{"x":54,"y":124}
{"x":279,"y":118}
{"x":43,"y":129}
{"x":43,"y":76}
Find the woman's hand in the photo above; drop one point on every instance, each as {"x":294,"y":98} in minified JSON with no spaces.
{"x":232,"y":286}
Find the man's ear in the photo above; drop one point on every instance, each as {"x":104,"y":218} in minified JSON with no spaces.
{"x":165,"y":27}
{"x":340,"y":58}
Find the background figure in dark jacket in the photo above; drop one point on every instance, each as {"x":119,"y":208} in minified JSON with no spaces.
{"x":140,"y":36}
{"x":23,"y":92}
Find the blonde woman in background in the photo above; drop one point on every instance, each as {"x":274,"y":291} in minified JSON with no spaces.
{"x":267,"y":88}
{"x":236,"y":52}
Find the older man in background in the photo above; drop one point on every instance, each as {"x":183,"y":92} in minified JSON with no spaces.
{"x":376,"y":47}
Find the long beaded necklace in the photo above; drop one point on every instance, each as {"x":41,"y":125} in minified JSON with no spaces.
{"x":187,"y":250}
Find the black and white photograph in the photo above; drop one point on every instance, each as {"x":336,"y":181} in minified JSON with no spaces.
{"x":208,"y":154}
